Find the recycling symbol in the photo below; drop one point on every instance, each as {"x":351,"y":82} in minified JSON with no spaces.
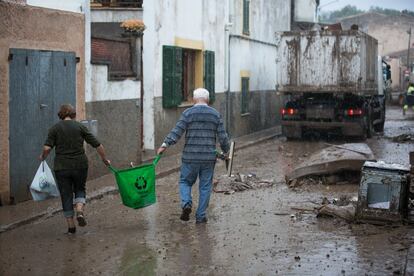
{"x":140,"y":183}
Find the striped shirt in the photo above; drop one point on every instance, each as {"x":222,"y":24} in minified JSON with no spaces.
{"x":201,"y":124}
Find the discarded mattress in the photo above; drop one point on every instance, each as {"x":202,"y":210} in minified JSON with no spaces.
{"x":333,"y":159}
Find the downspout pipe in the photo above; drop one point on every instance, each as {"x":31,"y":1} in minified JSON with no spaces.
{"x":227,"y":33}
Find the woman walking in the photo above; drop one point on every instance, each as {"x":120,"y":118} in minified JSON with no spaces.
{"x":71,"y":163}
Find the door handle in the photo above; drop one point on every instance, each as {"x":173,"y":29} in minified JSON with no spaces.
{"x":42,"y":106}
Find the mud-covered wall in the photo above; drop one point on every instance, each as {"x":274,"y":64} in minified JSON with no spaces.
{"x":264,"y":107}
{"x":28,"y":27}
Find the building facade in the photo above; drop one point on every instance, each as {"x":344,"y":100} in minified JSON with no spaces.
{"x":224,"y":46}
{"x":42,"y":63}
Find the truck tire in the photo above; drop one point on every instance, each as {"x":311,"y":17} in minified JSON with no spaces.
{"x":369,"y":126}
{"x":291,"y":132}
{"x":379,"y":127}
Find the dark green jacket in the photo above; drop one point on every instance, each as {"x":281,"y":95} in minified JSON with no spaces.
{"x":67,"y":137}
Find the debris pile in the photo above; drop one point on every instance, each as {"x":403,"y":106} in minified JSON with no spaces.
{"x":336,"y":164}
{"x":403,"y":138}
{"x":240,"y":182}
{"x":342,"y":178}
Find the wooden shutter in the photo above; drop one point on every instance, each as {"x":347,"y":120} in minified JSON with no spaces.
{"x":246,"y":15}
{"x":245,"y":96}
{"x":209,"y":79}
{"x":172,"y":76}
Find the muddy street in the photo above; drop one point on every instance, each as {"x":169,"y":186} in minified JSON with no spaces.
{"x":254,"y":232}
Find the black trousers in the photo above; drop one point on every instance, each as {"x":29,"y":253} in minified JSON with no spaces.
{"x":71,"y":182}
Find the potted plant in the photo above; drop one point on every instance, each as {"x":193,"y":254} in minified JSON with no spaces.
{"x":133,"y":26}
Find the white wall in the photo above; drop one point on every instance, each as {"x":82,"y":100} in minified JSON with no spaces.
{"x":305,"y":10}
{"x":258,"y":59}
{"x":266,"y":18}
{"x":204,"y":20}
{"x":201,"y":20}
{"x":104,"y":90}
{"x":118,"y":15}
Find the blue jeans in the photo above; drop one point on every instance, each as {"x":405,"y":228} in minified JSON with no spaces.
{"x":189,"y":174}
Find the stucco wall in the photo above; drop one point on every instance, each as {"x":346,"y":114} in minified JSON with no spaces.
{"x":263,"y":113}
{"x":105,"y":90}
{"x":198,"y":20}
{"x":115,"y":105}
{"x":115,"y":14}
{"x":118,"y":131}
{"x":266,"y":18}
{"x":204,"y":21}
{"x":35,"y":28}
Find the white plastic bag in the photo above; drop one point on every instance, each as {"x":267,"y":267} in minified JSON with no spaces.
{"x":43,"y":185}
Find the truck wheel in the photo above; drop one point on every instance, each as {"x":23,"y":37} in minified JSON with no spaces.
{"x":369,"y":126}
{"x":292,"y":133}
{"x":379,"y":127}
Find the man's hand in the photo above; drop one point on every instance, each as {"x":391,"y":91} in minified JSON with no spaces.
{"x":106,"y":162}
{"x":161,"y":150}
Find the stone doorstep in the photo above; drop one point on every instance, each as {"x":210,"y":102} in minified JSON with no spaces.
{"x":31,"y":211}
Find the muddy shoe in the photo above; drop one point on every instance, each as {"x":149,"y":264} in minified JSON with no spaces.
{"x":71,"y":231}
{"x":81,"y":219}
{"x":185,"y":215}
{"x":200,"y":221}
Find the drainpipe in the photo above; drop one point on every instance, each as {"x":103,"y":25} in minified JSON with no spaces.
{"x":227,"y":34}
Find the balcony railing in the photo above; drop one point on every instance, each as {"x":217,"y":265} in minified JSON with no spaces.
{"x":117,"y":3}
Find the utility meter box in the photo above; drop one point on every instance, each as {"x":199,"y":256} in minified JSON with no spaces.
{"x":383,"y":192}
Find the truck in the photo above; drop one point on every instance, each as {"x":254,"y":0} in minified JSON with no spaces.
{"x":330,"y":81}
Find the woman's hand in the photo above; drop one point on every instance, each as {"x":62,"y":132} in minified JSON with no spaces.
{"x":106,"y":162}
{"x":45,"y":153}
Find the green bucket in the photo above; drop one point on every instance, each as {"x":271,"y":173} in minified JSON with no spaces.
{"x":137,"y":185}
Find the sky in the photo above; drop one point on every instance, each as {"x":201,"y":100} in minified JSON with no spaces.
{"x":366,"y":4}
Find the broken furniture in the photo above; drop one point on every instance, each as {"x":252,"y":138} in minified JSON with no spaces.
{"x":383,"y":192}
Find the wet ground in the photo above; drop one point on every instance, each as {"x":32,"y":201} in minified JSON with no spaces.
{"x":248,"y":233}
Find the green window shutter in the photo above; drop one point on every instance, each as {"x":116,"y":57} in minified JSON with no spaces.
{"x":172,"y":76}
{"x":245,"y":96}
{"x":209,"y":79}
{"x":246,"y":16}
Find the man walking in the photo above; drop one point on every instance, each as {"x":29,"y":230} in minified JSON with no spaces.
{"x":202,"y":124}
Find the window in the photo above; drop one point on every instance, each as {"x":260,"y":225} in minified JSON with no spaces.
{"x":246,"y":17}
{"x":181,"y":70}
{"x":245,"y":95}
{"x":116,"y":54}
{"x":111,"y":46}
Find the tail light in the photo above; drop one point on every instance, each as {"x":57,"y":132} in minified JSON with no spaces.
{"x":289,"y":111}
{"x":354,"y":112}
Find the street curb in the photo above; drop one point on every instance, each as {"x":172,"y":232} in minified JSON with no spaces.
{"x":113,"y":190}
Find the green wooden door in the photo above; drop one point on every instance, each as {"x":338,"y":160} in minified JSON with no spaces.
{"x":209,"y":80}
{"x":172,"y":76}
